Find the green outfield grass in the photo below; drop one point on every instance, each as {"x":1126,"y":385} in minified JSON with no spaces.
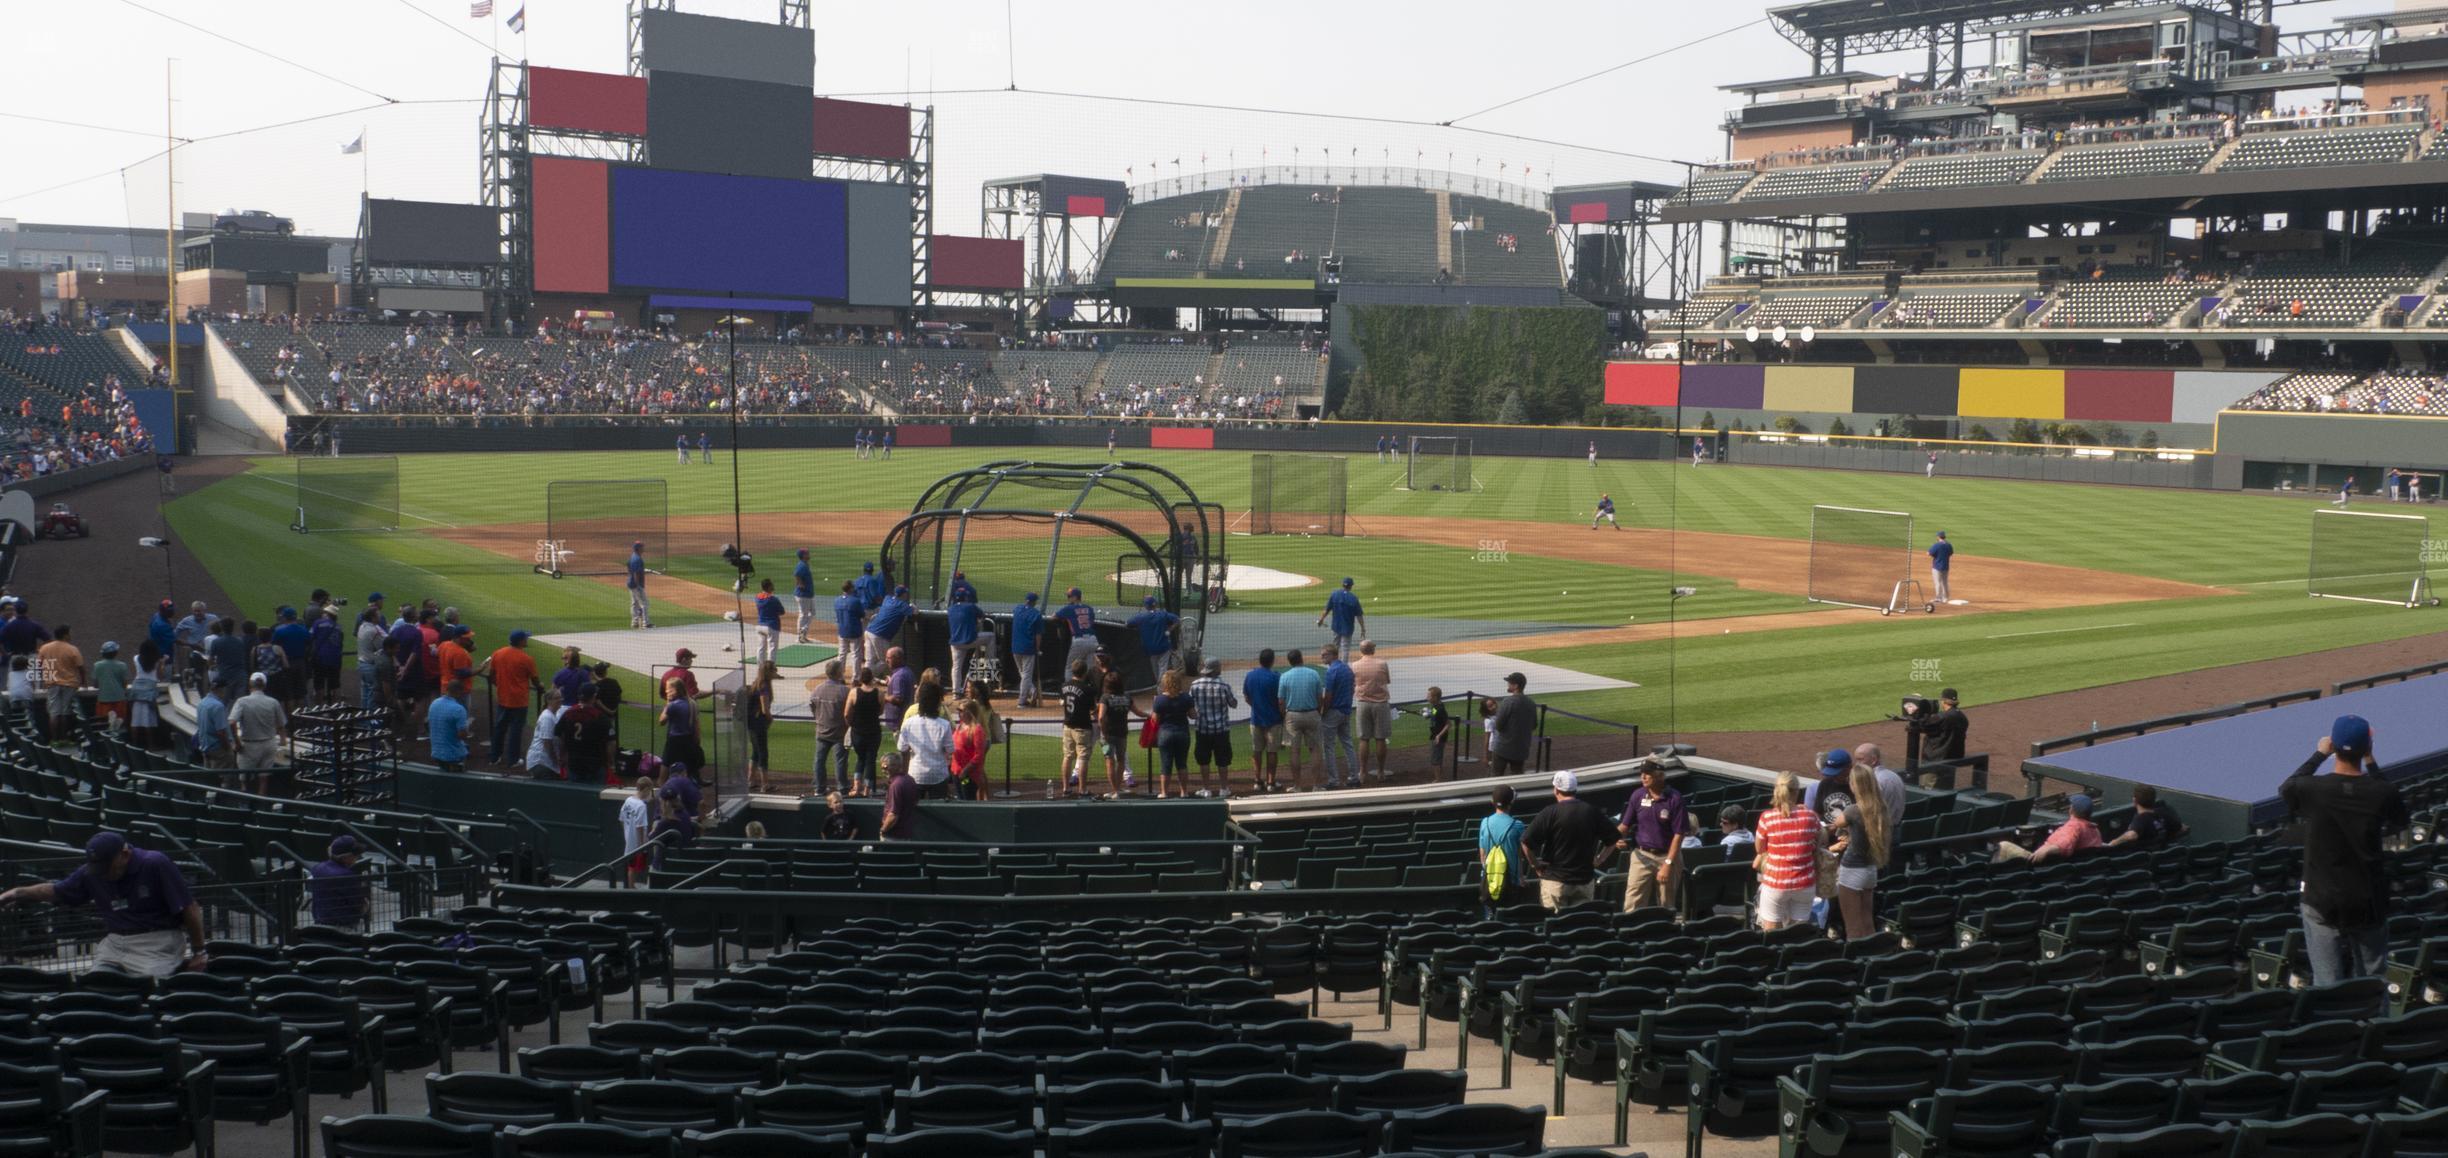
{"x":1775,"y":680}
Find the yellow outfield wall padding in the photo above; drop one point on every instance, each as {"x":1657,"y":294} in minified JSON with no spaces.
{"x":1996,"y":393}
{"x":1824,"y":389}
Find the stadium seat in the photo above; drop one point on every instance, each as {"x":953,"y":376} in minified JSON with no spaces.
{"x":965,"y":1107}
{"x":955,"y":1143}
{"x":2366,"y":1088}
{"x":2235,"y":1098}
{"x":403,"y":1136}
{"x":1307,"y":1134}
{"x":1215,"y":1063}
{"x":2176,"y":1141}
{"x":157,"y":1094}
{"x":1733,"y":1076}
{"x":2420,"y":1135}
{"x":474,"y":1098}
{"x":1133,"y":1138}
{"x":654,"y":1105}
{"x":2002,"y":1119}
{"x":1401,"y":1090}
{"x":1259,"y":1095}
{"x":1097,"y":1065}
{"x":753,"y":1142}
{"x":42,"y":1111}
{"x":582,"y":1140}
{"x":1469,"y":1130}
{"x":852,"y":1112}
{"x":1839,"y":1103}
{"x":2309,"y":1136}
{"x":259,"y":1068}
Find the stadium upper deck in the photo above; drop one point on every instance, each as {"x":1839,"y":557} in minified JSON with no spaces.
{"x":2172,"y":171}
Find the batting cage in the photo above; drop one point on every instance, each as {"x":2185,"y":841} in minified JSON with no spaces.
{"x":1863,"y":558}
{"x":358,"y":492}
{"x":589,"y":525}
{"x":1296,"y":494}
{"x":1439,"y":462}
{"x":1119,"y":532}
{"x":2373,"y":557}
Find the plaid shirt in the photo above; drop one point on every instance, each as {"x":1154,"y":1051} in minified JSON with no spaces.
{"x":1214,"y":703}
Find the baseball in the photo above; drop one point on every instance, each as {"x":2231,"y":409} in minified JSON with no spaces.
{"x":1727,"y":631}
{"x":1565,"y":593}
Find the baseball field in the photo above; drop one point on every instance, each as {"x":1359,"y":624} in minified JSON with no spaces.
{"x":2063,"y":586}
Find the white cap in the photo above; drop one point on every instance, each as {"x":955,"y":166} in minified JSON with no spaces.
{"x":1565,"y":782}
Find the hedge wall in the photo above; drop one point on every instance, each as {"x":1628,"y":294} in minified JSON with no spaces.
{"x":1446,"y":364}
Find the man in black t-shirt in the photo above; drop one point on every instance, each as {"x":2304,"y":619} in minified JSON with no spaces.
{"x":585,"y":732}
{"x":2345,"y":873}
{"x":1563,"y":843}
{"x":1079,"y":703}
{"x":2154,"y":824}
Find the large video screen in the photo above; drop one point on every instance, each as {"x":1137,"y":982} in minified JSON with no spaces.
{"x":715,"y":124}
{"x":739,"y":49}
{"x":435,"y":232}
{"x":718,"y":233}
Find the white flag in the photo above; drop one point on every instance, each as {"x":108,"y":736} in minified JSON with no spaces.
{"x":353,"y":147}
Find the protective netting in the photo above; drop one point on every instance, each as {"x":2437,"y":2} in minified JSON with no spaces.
{"x":348,"y":493}
{"x":589,"y":525}
{"x":1297,"y":494}
{"x":2372,"y":556}
{"x":1860,"y":558}
{"x":1439,"y":462}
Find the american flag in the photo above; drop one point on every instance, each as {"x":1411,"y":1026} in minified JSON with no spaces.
{"x":480,"y":10}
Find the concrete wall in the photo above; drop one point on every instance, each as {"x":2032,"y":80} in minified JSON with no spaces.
{"x":2327,"y":446}
{"x":233,"y":399}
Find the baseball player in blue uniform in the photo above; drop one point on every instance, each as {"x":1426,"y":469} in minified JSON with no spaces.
{"x":1344,"y":608}
{"x":769,"y":621}
{"x":961,"y":623}
{"x":1699,"y":451}
{"x":850,"y":627}
{"x":803,"y":593}
{"x":858,"y":442}
{"x":887,"y":440}
{"x":961,"y":588}
{"x":1606,"y":510}
{"x":870,"y":587}
{"x":885,"y":624}
{"x":681,"y":444}
{"x":1155,"y":627}
{"x":1081,"y":619}
{"x":1026,"y":619}
{"x":1942,"y":558}
{"x":637,"y":585}
{"x":705,"y":447}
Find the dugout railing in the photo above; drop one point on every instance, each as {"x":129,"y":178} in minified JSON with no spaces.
{"x":2387,"y":677}
{"x":2094,"y":736}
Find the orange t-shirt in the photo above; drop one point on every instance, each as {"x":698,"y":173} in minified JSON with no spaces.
{"x":452,"y":663}
{"x":514,"y":671}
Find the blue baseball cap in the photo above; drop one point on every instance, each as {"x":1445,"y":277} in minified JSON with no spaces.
{"x":376,"y":597}
{"x":518,"y":636}
{"x":2078,"y":805}
{"x":105,"y":847}
{"x":343,"y":844}
{"x":1032,"y":598}
{"x":1836,"y":762}
{"x":1147,"y":601}
{"x":2350,"y":736}
{"x":287,"y":612}
{"x":803,"y":552}
{"x":900,"y":590}
{"x":1347,"y":581}
{"x":867,"y":567}
{"x":1072,"y":593}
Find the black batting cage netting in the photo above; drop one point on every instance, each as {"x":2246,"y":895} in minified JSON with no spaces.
{"x":589,"y":525}
{"x":1439,"y":462}
{"x":2373,"y":557}
{"x":1863,"y":558}
{"x":358,"y":492}
{"x":1296,"y":494}
{"x":1122,"y":533}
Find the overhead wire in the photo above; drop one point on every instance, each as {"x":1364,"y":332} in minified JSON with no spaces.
{"x":449,"y":27}
{"x":256,"y":49}
{"x":1611,"y":69}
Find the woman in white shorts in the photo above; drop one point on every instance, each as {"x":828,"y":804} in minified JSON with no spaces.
{"x":1787,"y":856}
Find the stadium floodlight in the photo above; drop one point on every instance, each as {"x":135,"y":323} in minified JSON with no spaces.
{"x":1750,"y":333}
{"x":1809,"y":335}
{"x":1779,"y":332}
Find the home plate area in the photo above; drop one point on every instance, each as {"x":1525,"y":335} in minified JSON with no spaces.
{"x":716,"y":643}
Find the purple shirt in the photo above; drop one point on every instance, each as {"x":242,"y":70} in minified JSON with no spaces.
{"x":901,"y":799}
{"x":1655,"y":822}
{"x":682,"y":788}
{"x":902,"y":691}
{"x":147,"y":899}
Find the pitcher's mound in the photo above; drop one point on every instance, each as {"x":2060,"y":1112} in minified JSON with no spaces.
{"x":1240,"y":578}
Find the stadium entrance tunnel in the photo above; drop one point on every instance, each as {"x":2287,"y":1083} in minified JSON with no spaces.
{"x":1123,"y":533}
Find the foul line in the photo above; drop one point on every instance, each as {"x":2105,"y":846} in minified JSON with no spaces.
{"x":292,"y":488}
{"x":2058,"y":631}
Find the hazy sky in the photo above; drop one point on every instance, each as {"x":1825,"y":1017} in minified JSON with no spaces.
{"x":410,"y":74}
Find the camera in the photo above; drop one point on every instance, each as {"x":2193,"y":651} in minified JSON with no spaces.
{"x":742,"y":562}
{"x":1915,"y":708}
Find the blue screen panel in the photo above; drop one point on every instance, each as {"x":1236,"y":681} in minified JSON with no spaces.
{"x":716,"y":233}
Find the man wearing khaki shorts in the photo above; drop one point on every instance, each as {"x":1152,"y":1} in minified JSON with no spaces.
{"x":1372,"y":708}
{"x":1301,"y":694}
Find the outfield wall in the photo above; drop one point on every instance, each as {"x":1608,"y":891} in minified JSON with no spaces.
{"x":2258,"y":449}
{"x":1957,"y":462}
